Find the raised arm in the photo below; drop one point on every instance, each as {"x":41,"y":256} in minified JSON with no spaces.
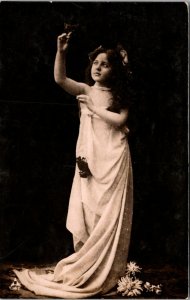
{"x":69,"y":85}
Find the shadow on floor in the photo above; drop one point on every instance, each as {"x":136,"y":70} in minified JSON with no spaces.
{"x":173,"y":279}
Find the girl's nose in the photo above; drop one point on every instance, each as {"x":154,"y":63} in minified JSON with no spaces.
{"x":98,"y":67}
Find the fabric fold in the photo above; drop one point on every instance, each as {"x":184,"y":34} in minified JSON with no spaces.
{"x":99,"y":214}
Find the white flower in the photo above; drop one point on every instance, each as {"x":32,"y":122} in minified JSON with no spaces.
{"x":131,"y":286}
{"x":132,"y":268}
{"x":15,"y":285}
{"x":147,"y":286}
{"x":128,"y":286}
{"x":153,"y":288}
{"x":158,"y":289}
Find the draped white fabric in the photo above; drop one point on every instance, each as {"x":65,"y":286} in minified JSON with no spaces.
{"x":99,"y":215}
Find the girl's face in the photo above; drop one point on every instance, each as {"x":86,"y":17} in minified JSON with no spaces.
{"x":101,"y":69}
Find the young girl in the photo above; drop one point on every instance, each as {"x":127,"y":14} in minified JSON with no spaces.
{"x":101,"y":200}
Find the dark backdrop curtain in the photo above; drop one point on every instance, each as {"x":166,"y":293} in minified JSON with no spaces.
{"x":39,"y":124}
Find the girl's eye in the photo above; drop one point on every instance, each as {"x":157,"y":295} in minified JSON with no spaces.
{"x":105,"y":65}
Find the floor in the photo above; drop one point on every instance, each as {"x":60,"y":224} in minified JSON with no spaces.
{"x":174,"y":282}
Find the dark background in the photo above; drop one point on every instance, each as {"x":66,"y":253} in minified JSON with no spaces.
{"x":39,"y":124}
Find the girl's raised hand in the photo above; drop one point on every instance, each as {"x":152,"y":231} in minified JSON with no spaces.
{"x":85,"y":99}
{"x":63,"y":41}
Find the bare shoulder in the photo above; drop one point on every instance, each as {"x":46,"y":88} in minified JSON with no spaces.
{"x":124,"y":111}
{"x":86,"y":88}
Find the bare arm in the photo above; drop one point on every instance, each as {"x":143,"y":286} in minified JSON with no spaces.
{"x":69,"y":85}
{"x":115,"y":119}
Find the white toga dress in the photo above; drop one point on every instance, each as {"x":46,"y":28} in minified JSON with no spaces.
{"x":99,"y":215}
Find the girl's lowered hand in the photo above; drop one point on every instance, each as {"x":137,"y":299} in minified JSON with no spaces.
{"x":63,"y":41}
{"x":85,"y":99}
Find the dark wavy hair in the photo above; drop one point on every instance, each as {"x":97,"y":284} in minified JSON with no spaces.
{"x":119,"y":81}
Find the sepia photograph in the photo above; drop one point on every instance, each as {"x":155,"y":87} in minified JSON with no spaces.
{"x":94,"y":150}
